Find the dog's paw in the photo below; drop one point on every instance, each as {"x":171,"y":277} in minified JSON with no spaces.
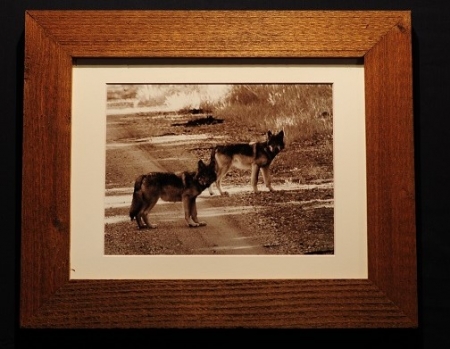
{"x":151,"y":226}
{"x":196,"y":224}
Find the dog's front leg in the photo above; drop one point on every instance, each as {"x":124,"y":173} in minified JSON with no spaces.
{"x":193,"y":210}
{"x":187,"y":211}
{"x":266,"y":176}
{"x":254,"y":177}
{"x":189,"y":207}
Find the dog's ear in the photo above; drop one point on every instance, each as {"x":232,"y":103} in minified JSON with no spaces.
{"x":212,"y":162}
{"x":269,"y":134}
{"x":281,"y":133}
{"x":201,"y":164}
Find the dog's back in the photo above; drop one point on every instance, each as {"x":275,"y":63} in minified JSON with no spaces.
{"x":255,"y":156}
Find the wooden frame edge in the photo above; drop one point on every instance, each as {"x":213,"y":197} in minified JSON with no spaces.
{"x":48,"y":299}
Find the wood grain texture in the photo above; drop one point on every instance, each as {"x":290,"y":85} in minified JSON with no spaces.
{"x":48,"y":299}
{"x":216,"y":33}
{"x":390,"y":165}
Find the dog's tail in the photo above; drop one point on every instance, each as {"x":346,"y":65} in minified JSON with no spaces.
{"x":136,"y":202}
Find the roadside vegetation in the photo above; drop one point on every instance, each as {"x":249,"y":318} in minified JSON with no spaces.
{"x":304,"y":111}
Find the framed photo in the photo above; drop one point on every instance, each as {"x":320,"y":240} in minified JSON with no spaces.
{"x":74,"y":59}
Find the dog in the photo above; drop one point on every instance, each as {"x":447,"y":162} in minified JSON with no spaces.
{"x":255,"y":156}
{"x":169,"y":186}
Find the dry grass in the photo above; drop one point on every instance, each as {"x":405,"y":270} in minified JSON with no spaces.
{"x":304,"y":111}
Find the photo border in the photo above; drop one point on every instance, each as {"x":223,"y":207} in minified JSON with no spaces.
{"x":88,"y":258}
{"x":54,"y":39}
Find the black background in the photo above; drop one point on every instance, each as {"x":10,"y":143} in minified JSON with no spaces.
{"x":431,"y":75}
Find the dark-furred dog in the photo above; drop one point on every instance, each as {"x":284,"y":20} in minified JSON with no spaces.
{"x":255,"y":156}
{"x":169,"y":186}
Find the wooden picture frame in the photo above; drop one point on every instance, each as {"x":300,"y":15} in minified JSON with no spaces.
{"x":53,"y":39}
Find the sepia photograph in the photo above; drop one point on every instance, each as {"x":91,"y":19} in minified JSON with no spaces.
{"x":219,"y":169}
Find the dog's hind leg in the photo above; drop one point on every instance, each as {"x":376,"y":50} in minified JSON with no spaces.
{"x":149,"y":203}
{"x":220,"y":175}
